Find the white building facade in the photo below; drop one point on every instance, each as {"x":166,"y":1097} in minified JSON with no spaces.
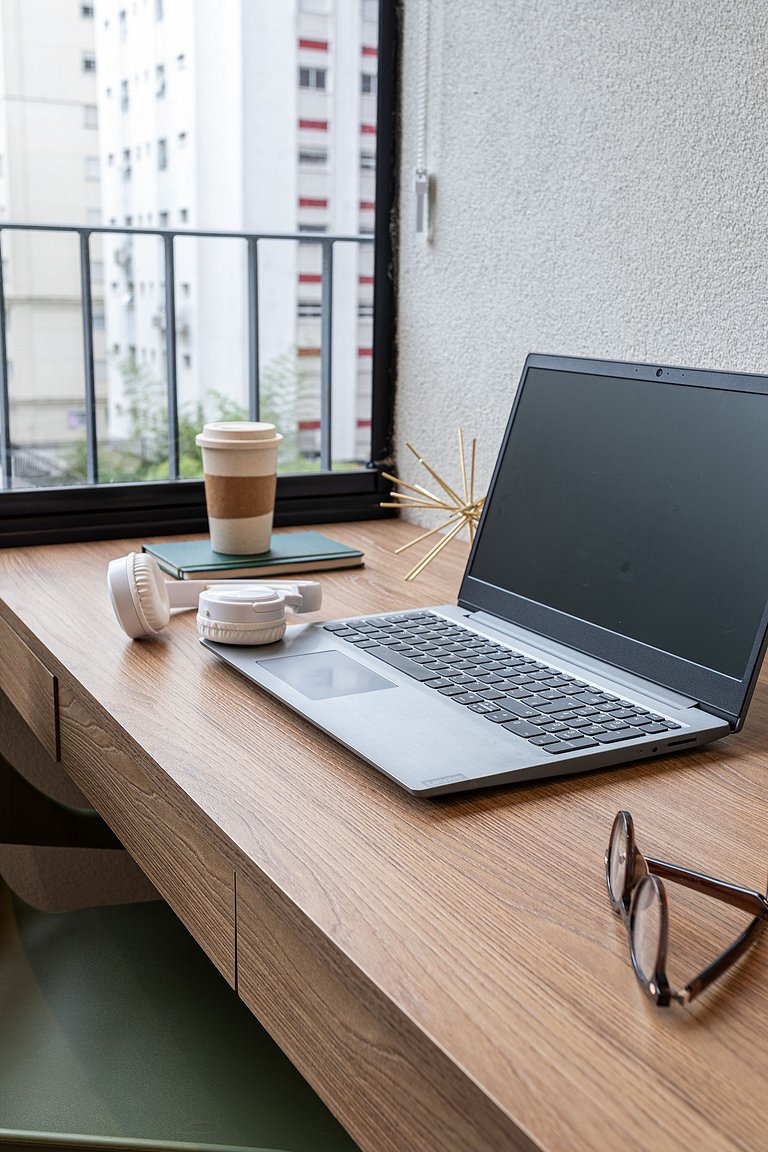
{"x":244,"y":117}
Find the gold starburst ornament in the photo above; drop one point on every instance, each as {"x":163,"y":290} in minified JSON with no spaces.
{"x":462,"y":511}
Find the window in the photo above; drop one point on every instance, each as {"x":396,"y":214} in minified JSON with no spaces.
{"x":312,"y":78}
{"x":313,"y":166}
{"x":86,"y":11}
{"x":367,"y":82}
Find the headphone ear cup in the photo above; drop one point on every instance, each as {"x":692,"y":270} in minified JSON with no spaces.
{"x":266,"y":632}
{"x":150,"y":594}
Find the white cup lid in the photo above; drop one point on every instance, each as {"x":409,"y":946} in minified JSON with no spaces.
{"x":238,"y":434}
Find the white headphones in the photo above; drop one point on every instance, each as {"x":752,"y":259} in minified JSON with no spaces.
{"x":243,"y":612}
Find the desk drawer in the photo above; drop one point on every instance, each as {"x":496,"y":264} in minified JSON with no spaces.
{"x":156,"y":822}
{"x":30,"y":687}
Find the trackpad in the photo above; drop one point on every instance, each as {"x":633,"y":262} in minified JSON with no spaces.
{"x":323,"y":675}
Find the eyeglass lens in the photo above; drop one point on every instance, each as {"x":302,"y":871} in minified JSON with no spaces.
{"x":618,"y":861}
{"x":646,"y":928}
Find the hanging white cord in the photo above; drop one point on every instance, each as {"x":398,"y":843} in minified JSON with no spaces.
{"x":420,"y":174}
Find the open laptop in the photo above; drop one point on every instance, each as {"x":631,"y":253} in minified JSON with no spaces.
{"x":614,"y":605}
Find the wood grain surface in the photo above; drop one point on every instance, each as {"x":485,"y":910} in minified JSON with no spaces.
{"x":448,"y":973}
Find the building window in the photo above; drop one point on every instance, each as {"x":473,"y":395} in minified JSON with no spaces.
{"x":90,"y":116}
{"x":310,"y":309}
{"x":182,"y":138}
{"x":91,"y":167}
{"x":159,"y":10}
{"x":186,"y":288}
{"x":89,"y":62}
{"x":162,"y":219}
{"x":367,"y":82}
{"x":316,"y":157}
{"x":312,"y":78}
{"x":162,"y":154}
{"x":86,"y":11}
{"x":184,"y":215}
{"x":160,"y":80}
{"x":313,"y":227}
{"x":124,"y":95}
{"x":98,"y":321}
{"x":365,"y":310}
{"x":368,"y":161}
{"x":181,"y":62}
{"x":186,"y":360}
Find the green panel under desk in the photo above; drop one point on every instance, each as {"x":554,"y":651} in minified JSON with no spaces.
{"x":117,"y":1028}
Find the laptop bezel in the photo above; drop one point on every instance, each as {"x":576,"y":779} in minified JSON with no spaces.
{"x":724,"y":696}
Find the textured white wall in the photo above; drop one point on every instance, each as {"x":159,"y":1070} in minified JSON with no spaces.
{"x":600,"y":189}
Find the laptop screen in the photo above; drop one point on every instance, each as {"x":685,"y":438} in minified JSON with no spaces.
{"x":633,"y":505}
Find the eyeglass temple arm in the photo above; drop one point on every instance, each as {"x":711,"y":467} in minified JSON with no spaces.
{"x":724,"y":961}
{"x":737,"y":897}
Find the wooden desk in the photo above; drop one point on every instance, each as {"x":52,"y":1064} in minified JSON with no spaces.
{"x":447,"y":973}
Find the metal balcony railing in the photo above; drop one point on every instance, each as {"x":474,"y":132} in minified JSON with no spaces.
{"x":168,"y":237}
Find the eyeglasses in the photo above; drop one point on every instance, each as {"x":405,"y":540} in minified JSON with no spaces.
{"x":636,"y":891}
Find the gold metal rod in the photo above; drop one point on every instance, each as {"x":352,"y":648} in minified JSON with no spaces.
{"x":434,"y":552}
{"x":431,"y":532}
{"x":422,"y":501}
{"x":451,"y":520}
{"x":463,"y":466}
{"x":446,"y":487}
{"x":414,"y":487}
{"x":472,"y":475}
{"x":411,"y":503}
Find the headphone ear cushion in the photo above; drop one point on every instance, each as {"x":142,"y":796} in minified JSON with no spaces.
{"x":267,"y":632}
{"x":151,"y":597}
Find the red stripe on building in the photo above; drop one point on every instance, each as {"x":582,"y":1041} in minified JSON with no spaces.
{"x":306,"y":353}
{"x":310,"y":278}
{"x":314,"y":45}
{"x":367,"y":205}
{"x":314,"y":125}
{"x":314,"y":425}
{"x":312,"y":202}
{"x":365,"y":279}
{"x":368,"y":129}
{"x":365,"y":351}
{"x":370,"y":51}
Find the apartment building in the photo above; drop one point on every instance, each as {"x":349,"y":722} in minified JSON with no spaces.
{"x":240,"y":118}
{"x":49,"y":173}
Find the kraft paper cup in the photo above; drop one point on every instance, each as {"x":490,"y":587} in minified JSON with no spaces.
{"x":240,"y":469}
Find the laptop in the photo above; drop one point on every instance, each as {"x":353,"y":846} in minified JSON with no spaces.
{"x":614,"y":605}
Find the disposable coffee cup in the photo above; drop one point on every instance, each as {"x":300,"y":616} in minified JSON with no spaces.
{"x":240,"y":468}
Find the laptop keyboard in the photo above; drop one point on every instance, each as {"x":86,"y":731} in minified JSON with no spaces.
{"x":551,"y":709}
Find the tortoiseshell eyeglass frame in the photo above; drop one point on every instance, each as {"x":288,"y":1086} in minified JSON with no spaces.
{"x":639,"y":871}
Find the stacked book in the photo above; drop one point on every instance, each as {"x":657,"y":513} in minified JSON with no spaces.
{"x":289,"y":553}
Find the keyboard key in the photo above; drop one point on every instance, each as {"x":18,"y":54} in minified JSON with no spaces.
{"x":467,"y":698}
{"x":490,"y":693}
{"x":610,"y":737}
{"x":568,"y":746}
{"x":540,"y":741}
{"x":523,"y":728}
{"x":652,"y":728}
{"x":500,"y":716}
{"x":483,"y":707}
{"x":518,"y":708}
{"x":397,"y":660}
{"x":453,"y":690}
{"x":552,"y":707}
{"x":439,"y":682}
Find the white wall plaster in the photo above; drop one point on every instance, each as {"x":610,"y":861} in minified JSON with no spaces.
{"x":600,"y":190}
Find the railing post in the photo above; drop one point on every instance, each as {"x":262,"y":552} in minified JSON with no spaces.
{"x":91,"y":431}
{"x":170,"y":358}
{"x":6,"y":457}
{"x":326,"y":354}
{"x":253,"y":328}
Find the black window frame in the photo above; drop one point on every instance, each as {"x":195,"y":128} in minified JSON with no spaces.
{"x":108,"y":511}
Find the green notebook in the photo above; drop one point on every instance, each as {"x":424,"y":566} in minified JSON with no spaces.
{"x":290,"y":552}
